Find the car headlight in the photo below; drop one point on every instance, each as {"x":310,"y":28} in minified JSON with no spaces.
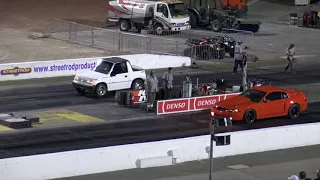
{"x":187,"y":23}
{"x":92,"y":81}
{"x":235,"y":110}
{"x":75,"y":77}
{"x":173,"y":24}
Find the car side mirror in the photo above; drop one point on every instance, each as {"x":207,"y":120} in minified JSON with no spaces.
{"x":113,"y":74}
{"x":265,"y":100}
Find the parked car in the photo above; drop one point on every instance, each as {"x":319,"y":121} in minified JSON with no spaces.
{"x":111,"y":74}
{"x":262,"y":102}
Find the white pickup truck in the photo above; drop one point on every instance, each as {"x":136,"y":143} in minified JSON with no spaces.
{"x":111,"y":74}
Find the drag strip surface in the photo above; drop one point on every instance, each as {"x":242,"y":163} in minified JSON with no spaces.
{"x":58,"y":95}
{"x":147,"y":129}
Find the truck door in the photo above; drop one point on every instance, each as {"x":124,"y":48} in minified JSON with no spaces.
{"x":162,"y":13}
{"x":120,"y":76}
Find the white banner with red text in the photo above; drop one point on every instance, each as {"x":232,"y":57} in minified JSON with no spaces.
{"x":69,"y":67}
{"x":190,"y":104}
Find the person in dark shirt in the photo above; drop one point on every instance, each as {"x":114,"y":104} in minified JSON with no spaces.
{"x":318,"y":175}
{"x":303,"y":176}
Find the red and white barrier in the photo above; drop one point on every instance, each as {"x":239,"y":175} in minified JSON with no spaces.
{"x":190,"y":104}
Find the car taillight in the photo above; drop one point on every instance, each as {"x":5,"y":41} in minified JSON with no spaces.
{"x":305,"y":98}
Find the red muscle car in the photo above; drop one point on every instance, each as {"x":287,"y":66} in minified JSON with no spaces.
{"x":262,"y":102}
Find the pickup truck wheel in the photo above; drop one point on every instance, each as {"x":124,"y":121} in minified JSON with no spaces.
{"x":250,"y":116}
{"x":101,"y":90}
{"x":137,"y":85}
{"x":294,"y":111}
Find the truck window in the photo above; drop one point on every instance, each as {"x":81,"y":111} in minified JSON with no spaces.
{"x":104,"y":67}
{"x":162,"y":8}
{"x":177,"y":9}
{"x":120,"y":68}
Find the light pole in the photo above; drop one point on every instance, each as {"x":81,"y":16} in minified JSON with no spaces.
{"x":221,"y":124}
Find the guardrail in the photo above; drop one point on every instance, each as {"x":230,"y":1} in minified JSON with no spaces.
{"x":152,"y":154}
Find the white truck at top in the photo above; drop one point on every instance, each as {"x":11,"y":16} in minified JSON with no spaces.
{"x":111,"y":74}
{"x":153,"y":15}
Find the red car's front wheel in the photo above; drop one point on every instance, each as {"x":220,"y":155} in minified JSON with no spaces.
{"x":250,"y":116}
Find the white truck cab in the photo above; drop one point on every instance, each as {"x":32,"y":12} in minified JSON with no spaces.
{"x":161,"y":15}
{"x":111,"y":74}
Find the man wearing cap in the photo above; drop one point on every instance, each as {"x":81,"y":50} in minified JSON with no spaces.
{"x":151,"y":88}
{"x":167,"y":82}
{"x":238,"y":57}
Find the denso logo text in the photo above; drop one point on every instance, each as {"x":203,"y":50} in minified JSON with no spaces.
{"x":207,"y":102}
{"x":176,"y":106}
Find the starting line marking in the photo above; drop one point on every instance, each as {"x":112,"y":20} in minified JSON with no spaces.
{"x":5,"y":128}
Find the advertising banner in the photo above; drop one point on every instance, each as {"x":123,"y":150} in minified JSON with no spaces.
{"x":70,"y":67}
{"x":190,"y":104}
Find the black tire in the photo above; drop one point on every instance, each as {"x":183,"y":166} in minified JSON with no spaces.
{"x":124,"y":25}
{"x":193,"y":20}
{"x":137,"y":85}
{"x":231,"y":53}
{"x":250,"y":116}
{"x":101,"y":90}
{"x":159,"y":30}
{"x":81,"y":92}
{"x":216,"y":26}
{"x":294,"y":111}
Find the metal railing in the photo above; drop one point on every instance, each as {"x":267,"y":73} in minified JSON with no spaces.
{"x":168,"y":42}
{"x":116,"y":40}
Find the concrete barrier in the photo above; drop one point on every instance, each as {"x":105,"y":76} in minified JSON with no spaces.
{"x":69,"y":67}
{"x":81,"y":162}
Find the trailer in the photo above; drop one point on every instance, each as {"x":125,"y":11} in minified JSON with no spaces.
{"x":206,"y":13}
{"x":160,"y":16}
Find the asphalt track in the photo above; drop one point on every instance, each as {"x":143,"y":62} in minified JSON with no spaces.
{"x":147,"y":129}
{"x":39,"y":141}
{"x":63,"y":94}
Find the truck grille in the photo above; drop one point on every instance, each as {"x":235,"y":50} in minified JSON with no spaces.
{"x":180,"y":24}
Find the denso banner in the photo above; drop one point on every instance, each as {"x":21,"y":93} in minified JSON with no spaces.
{"x":190,"y":104}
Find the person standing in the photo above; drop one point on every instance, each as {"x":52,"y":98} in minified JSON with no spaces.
{"x":293,"y":177}
{"x":151,"y":88}
{"x":318,"y":175}
{"x":168,"y":83}
{"x":238,"y":57}
{"x":303,"y":176}
{"x":291,"y":50}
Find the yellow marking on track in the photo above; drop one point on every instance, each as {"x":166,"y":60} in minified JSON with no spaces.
{"x":74,"y":116}
{"x":5,"y":128}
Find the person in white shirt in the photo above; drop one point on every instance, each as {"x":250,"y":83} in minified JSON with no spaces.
{"x":291,"y":50}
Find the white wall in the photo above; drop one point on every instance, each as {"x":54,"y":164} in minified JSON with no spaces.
{"x":125,"y":157}
{"x":69,"y":67}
